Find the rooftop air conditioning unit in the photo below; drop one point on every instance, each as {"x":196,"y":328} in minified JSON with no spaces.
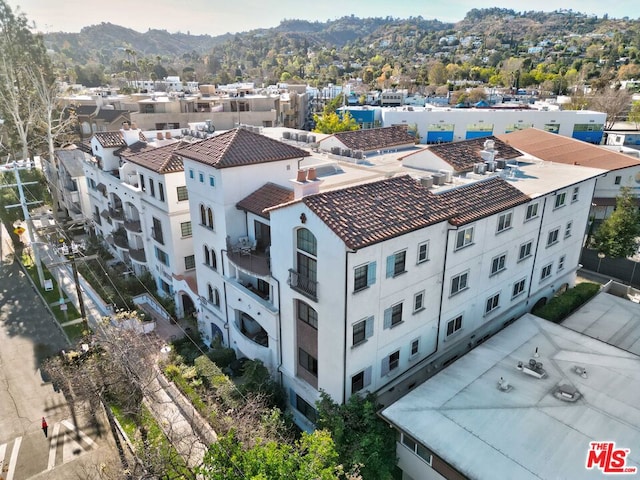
{"x":501,"y":164}
{"x":426,"y":182}
{"x":438,"y":178}
{"x":345,"y":152}
{"x":335,"y":150}
{"x":480,"y":168}
{"x":286,"y":135}
{"x":311,"y":138}
{"x":303,"y":137}
{"x":448,"y":175}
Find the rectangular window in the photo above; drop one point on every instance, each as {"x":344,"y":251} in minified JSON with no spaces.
{"x":212,"y":181}
{"x":390,"y":363}
{"x":143,"y":186}
{"x":574,"y":194}
{"x":306,"y":361}
{"x":364,"y":276}
{"x":459,"y":283}
{"x":561,"y":262}
{"x":546,"y":271}
{"x":617,"y":180}
{"x":464,"y":238}
{"x":182,"y":193}
{"x":552,"y":238}
{"x":307,"y":314}
{"x":162,"y":256}
{"x":504,"y":222}
{"x":493,"y":302}
{"x":560,"y":200}
{"x":423,"y":252}
{"x":418,"y":302}
{"x":185,"y":229}
{"x":396,"y":263}
{"x":525,"y":250}
{"x":362,"y":330}
{"x":152,"y":188}
{"x":161,"y":191}
{"x":393,"y":316}
{"x":518,"y":288}
{"x":417,"y":448}
{"x":361,"y":380}
{"x":454,"y":325}
{"x":306,"y":409}
{"x":415,"y":347}
{"x":190,"y":262}
{"x":567,"y":229}
{"x":156,"y":231}
{"x":191,"y":174}
{"x":498,"y":263}
{"x":532,"y":211}
{"x":201,"y":177}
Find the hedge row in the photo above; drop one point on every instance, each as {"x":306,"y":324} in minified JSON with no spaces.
{"x":560,"y":307}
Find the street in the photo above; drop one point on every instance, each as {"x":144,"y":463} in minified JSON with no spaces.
{"x":28,"y":335}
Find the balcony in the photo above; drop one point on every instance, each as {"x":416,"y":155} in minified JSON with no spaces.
{"x":250,"y":348}
{"x":303,"y":284}
{"x":117,"y":214}
{"x":138,"y":255}
{"x":255,"y":263}
{"x":133,"y":226}
{"x":120,"y":239}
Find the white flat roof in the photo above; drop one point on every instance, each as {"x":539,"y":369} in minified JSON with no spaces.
{"x":526,"y":433}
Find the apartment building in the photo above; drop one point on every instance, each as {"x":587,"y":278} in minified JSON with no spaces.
{"x":138,"y":201}
{"x":349,"y":277}
{"x":71,"y":189}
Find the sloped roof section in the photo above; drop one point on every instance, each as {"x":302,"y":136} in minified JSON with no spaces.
{"x":481,"y":199}
{"x":552,"y":147}
{"x":375,"y":138}
{"x":114,"y":139}
{"x":239,"y":147}
{"x":463,"y":155}
{"x":369,"y":213}
{"x":160,"y":160}
{"x":111,"y":115}
{"x":269,"y":195}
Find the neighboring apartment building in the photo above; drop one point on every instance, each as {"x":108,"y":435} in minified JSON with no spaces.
{"x":139,"y":203}
{"x":447,"y":124}
{"x":346,"y":277}
{"x":70,"y":185}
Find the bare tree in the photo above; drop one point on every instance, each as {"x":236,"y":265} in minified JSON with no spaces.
{"x":613,"y":102}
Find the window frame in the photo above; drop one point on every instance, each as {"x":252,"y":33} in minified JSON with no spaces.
{"x":305,"y":314}
{"x":366,"y":331}
{"x":561,"y":262}
{"x":546,"y":271}
{"x":186,"y":229}
{"x":532,"y":211}
{"x":567,"y":229}
{"x":617,"y":180}
{"x":492,"y":303}
{"x":182,"y":193}
{"x":506,"y":219}
{"x":364,"y":276}
{"x":462,"y":239}
{"x":527,"y":247}
{"x":518,"y":288}
{"x":574,"y":194}
{"x":560,"y":201}
{"x":414,"y":348}
{"x":420,"y":260}
{"x":397,"y":263}
{"x":311,"y":365}
{"x":393,"y":315}
{"x":553,"y":236}
{"x":498,"y":264}
{"x":454,"y":326}
{"x":459,"y":289}
{"x":190,"y":262}
{"x":419,"y":295}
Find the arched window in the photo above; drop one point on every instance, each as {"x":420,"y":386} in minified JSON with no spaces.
{"x":307,"y":268}
{"x":305,"y":313}
{"x":206,"y":255}
{"x":216,"y":297}
{"x":306,"y":241}
{"x":209,"y":293}
{"x":203,"y":215}
{"x":214,"y":260}
{"x":210,"y":218}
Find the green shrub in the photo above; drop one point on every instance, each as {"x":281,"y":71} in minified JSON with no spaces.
{"x":222,"y":356}
{"x":563,"y":305}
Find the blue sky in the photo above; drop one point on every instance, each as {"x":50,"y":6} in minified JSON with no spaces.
{"x":214,"y":17}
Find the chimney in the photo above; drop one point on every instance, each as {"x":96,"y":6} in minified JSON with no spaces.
{"x":159,"y":136}
{"x":131,"y":134}
{"x":125,"y":125}
{"x":167,"y":135}
{"x":306,"y":183}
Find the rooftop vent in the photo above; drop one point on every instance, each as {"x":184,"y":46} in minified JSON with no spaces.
{"x":533,"y":368}
{"x":567,"y":393}
{"x":580,"y":371}
{"x":504,"y":385}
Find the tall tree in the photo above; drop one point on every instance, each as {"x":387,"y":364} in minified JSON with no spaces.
{"x":613,"y":102}
{"x":618,"y":236}
{"x":20,"y":106}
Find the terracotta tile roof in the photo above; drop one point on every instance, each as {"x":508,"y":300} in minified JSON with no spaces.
{"x":464,"y":154}
{"x":371,"y":139}
{"x":161,"y":159}
{"x":269,"y":195}
{"x":552,"y":147}
{"x":369,"y":213}
{"x":480,"y":199}
{"x":240,"y":147}
{"x":114,"y":139}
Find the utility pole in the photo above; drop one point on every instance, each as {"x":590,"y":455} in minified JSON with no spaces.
{"x":70,"y":255}
{"x":16,"y":167}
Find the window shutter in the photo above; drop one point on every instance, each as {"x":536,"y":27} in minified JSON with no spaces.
{"x":371,"y":274}
{"x":387,"y":318}
{"x":367,"y":377}
{"x":292,"y":397}
{"x":384,"y":368}
{"x":368,"y":327}
{"x":391,"y":261}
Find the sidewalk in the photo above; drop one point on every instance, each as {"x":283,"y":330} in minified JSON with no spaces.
{"x":189,"y":433}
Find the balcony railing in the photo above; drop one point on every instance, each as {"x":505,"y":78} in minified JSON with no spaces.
{"x":253,"y":262}
{"x":303,"y":284}
{"x":138,"y":255}
{"x":133,"y":226}
{"x":120,"y":240}
{"x":117,"y":214}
